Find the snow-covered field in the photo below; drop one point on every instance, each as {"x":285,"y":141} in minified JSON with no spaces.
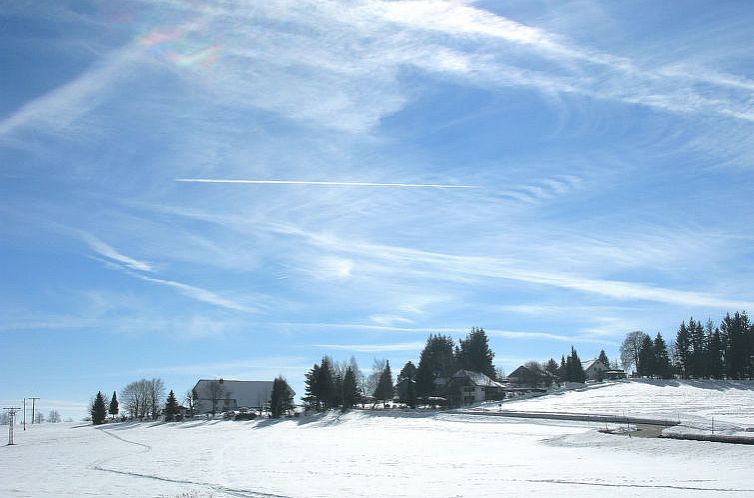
{"x":371,"y":454}
{"x":693,"y":403}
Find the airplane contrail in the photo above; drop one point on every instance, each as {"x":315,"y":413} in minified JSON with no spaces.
{"x":341,"y":184}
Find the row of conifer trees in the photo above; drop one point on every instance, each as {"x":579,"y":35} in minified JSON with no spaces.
{"x":699,"y":350}
{"x":332,"y":385}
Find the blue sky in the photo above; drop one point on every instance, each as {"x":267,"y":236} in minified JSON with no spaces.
{"x":607,"y":146}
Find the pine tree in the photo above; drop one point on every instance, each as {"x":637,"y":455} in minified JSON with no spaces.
{"x":281,"y":399}
{"x":475,"y":354}
{"x":407,"y":372}
{"x":384,"y":391}
{"x":410,"y":398}
{"x":98,"y":410}
{"x":646,"y":367}
{"x":715,"y":352}
{"x":698,"y":353}
{"x":682,"y":351}
{"x":563,"y":369}
{"x":406,"y":384}
{"x":662,"y":365}
{"x":351,"y":393}
{"x":436,"y":361}
{"x":740,"y":345}
{"x":113,"y":406}
{"x":326,"y":383}
{"x":313,"y":392}
{"x":171,"y":407}
{"x":574,"y":368}
{"x":552,"y":368}
{"x":604,"y":359}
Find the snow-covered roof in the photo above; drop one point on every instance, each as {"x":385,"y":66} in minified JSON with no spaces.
{"x":477,"y":378}
{"x":586,"y":365}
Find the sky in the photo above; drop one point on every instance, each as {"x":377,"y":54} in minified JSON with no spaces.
{"x":558,"y":173}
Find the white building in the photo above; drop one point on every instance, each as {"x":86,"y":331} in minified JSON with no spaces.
{"x":594,"y":369}
{"x":225,"y":395}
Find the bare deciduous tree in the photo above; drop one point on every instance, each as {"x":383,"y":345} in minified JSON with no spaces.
{"x":156,"y":395}
{"x":629,"y":350}
{"x":191,"y":398}
{"x":53,"y":417}
{"x":216,"y":392}
{"x":143,"y":398}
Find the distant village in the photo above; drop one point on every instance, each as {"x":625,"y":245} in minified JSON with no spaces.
{"x":448,"y":375}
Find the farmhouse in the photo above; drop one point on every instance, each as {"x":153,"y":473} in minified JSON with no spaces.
{"x":225,"y":395}
{"x":594,"y":369}
{"x":525,"y":376}
{"x":466,"y":387}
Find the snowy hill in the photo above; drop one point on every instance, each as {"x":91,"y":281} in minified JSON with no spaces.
{"x":690,"y":401}
{"x":392,"y":453}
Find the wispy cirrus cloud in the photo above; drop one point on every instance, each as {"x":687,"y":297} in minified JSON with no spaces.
{"x":199,"y":294}
{"x":107,"y":251}
{"x":374,"y":348}
{"x":249,"y":65}
{"x":140,"y":270}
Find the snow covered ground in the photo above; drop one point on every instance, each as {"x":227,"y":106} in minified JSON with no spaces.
{"x":694,"y":403}
{"x":365,"y":454}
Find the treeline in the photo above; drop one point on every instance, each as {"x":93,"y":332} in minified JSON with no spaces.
{"x":699,"y":351}
{"x":330,"y":384}
{"x":570,"y":369}
{"x":142,"y":399}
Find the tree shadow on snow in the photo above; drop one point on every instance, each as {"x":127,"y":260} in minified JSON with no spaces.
{"x":716,"y":385}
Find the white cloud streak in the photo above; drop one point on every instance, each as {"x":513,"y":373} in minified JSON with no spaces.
{"x":199,"y":294}
{"x":374,"y":348}
{"x":110,"y":253}
{"x":324,"y":183}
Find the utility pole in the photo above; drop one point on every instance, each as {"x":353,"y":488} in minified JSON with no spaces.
{"x":33,"y":413}
{"x":24,"y":413}
{"x":11,"y":421}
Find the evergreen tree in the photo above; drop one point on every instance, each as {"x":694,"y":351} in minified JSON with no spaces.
{"x":410,"y":398}
{"x":407,"y":372}
{"x":98,"y":409}
{"x":604,"y":359}
{"x":698,"y":352}
{"x":436,"y":361}
{"x":682,"y":351}
{"x":384,"y":391}
{"x":113,"y":406}
{"x":171,"y":407}
{"x":740,"y":346}
{"x":326,"y":384}
{"x":552,"y":368}
{"x":475,"y":354}
{"x":646,"y":358}
{"x":574,"y":368}
{"x":351,"y":393}
{"x":337,"y":384}
{"x":406,"y":384}
{"x":281,"y":399}
{"x":313,"y":392}
{"x":662,"y":366}
{"x":715,"y":352}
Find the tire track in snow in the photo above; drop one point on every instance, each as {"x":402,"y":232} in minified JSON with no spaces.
{"x":241,"y":493}
{"x":647,"y":486}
